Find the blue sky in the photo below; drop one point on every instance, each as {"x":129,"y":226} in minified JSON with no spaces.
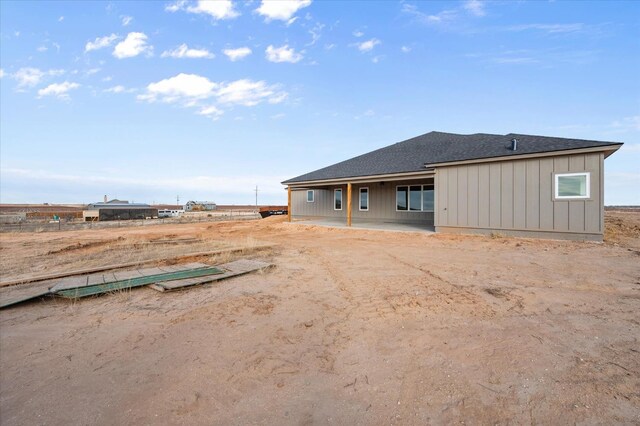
{"x":149,"y":100}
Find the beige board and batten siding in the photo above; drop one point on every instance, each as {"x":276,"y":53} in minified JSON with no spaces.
{"x":382,"y":203}
{"x":517,"y":197}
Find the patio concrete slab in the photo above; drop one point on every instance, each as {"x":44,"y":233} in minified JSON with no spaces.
{"x":371,"y":225}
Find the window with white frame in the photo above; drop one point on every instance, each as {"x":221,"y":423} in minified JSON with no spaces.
{"x":364,"y":199}
{"x":572,"y":185}
{"x":310,"y":195}
{"x":337,"y":199}
{"x":414,"y":198}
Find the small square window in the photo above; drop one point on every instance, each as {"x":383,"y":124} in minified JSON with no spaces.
{"x":310,"y":196}
{"x":572,"y":186}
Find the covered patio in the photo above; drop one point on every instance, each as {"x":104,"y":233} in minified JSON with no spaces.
{"x":365,"y":224}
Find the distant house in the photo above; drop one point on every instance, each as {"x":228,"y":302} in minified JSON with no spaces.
{"x":195,"y":206}
{"x":118,"y":210}
{"x":521,"y":185}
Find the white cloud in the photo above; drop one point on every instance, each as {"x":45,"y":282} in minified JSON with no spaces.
{"x":191,"y":90}
{"x":133,"y":45}
{"x":358,"y":33}
{"x":278,"y":116}
{"x":282,"y":54}
{"x":475,"y":7}
{"x":181,"y":87}
{"x":28,"y":77}
{"x":60,"y":19}
{"x":549,"y":28}
{"x":183,"y":51}
{"x":249,"y":93}
{"x":367,"y":113}
{"x":211,"y":111}
{"x":115,"y":89}
{"x":59,"y":90}
{"x":1,"y":73}
{"x":118,"y":89}
{"x":440,"y":18}
{"x":237,"y":54}
{"x":367,"y":46}
{"x":126,"y":20}
{"x":282,"y":10}
{"x":100,"y":42}
{"x":627,"y":123}
{"x":405,"y":49}
{"x":218,"y":9}
{"x":42,"y":48}
{"x":315,"y":33}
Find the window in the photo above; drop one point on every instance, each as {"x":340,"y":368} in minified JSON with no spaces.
{"x":337,"y":199}
{"x":364,"y":199}
{"x":402,"y":198}
{"x":427,"y":198}
{"x":572,"y":185}
{"x":310,"y":196}
{"x":415,"y":198}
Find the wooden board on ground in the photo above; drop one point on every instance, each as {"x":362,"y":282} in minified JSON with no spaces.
{"x":11,"y":295}
{"x":101,"y":278}
{"x":232,"y":269}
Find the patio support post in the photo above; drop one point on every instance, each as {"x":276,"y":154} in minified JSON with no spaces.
{"x":289,"y":203}
{"x":349,"y":204}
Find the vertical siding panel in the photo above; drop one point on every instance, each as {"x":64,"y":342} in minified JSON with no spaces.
{"x":592,"y":206}
{"x":472,"y":195}
{"x":462,"y":196}
{"x":533,"y":194}
{"x":546,"y":194}
{"x":601,"y":190}
{"x":577,"y":208}
{"x":519,"y":195}
{"x":443,"y":196}
{"x":494,"y":195}
{"x":483,"y":195}
{"x":452,"y":209}
{"x":506,"y":202}
{"x":561,"y":208}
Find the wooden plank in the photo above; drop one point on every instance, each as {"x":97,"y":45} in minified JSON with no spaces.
{"x":13,"y":295}
{"x":139,"y":281}
{"x":232,"y":269}
{"x":98,"y":279}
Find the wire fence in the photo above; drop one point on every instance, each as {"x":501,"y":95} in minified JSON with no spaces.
{"x":73,"y":225}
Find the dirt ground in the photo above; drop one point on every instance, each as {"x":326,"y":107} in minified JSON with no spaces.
{"x":349,"y":327}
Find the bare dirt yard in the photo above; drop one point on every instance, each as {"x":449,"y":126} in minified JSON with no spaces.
{"x":349,"y":327}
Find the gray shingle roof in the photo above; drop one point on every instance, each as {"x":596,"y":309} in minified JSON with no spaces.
{"x":438,"y":147}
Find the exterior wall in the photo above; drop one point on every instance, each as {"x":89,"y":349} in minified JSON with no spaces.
{"x":519,"y":196}
{"x":382,"y":203}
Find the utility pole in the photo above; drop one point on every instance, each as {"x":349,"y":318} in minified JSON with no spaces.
{"x":256,"y":191}
{"x":177,"y":200}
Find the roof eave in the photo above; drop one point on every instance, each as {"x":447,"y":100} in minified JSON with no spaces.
{"x":607,"y":149}
{"x":362,"y":179}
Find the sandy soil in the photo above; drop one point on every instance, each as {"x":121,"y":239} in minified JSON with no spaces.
{"x":350,"y":327}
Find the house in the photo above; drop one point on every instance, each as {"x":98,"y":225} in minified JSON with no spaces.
{"x":519,"y":185}
{"x":198,"y":206}
{"x":118,"y":210}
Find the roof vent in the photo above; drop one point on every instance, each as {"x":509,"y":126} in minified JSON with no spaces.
{"x":514,"y":144}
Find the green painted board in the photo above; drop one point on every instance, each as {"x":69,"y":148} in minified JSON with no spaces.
{"x":136,"y":282}
{"x":231,"y":269}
